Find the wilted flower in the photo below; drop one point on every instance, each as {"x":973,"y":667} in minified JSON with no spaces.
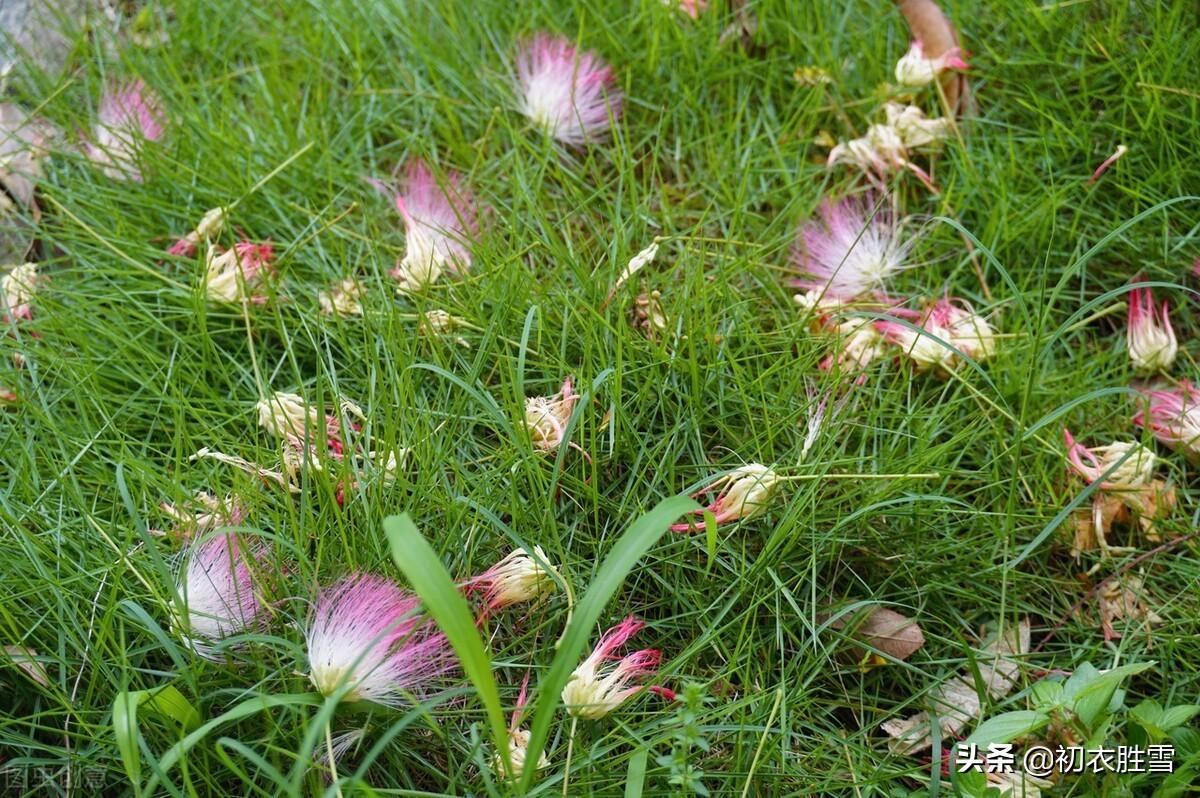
{"x":914,"y":129}
{"x":571,"y":94}
{"x":439,"y":223}
{"x":648,"y":314}
{"x":516,"y":579}
{"x":232,"y":275}
{"x":1136,"y":471}
{"x":848,"y":253}
{"x":635,"y":265}
{"x":1150,"y":337}
{"x":217,"y":590}
{"x":285,"y":413}
{"x":914,"y":69}
{"x":342,"y":299}
{"x":546,"y":417}
{"x":18,"y":287}
{"x":885,"y":147}
{"x":744,"y":493}
{"x":203,"y":513}
{"x":209,"y":228}
{"x":946,"y":331}
{"x":594,"y":689}
{"x":440,"y":323}
{"x":1172,"y":415}
{"x":129,"y":115}
{"x":692,"y":8}
{"x":365,"y":633}
{"x":518,"y":743}
{"x":859,"y":343}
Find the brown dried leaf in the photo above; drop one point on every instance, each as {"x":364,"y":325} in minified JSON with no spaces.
{"x":27,"y":660}
{"x":1124,"y":598}
{"x":881,"y":629}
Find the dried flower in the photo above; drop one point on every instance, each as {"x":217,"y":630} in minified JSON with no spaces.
{"x":516,"y":579}
{"x":440,"y":323}
{"x":914,"y":129}
{"x":217,"y":590}
{"x":595,"y":690}
{"x":518,"y":743}
{"x":365,"y":633}
{"x":885,"y":147}
{"x":859,"y":343}
{"x":1172,"y":415}
{"x":284,"y":414}
{"x":847,"y":253}
{"x":914,"y":69}
{"x":648,"y":314}
{"x":128,"y":117}
{"x":692,"y":8}
{"x":948,"y":330}
{"x":744,"y":493}
{"x":209,"y":228}
{"x":635,"y":265}
{"x":546,"y":417}
{"x":19,"y":288}
{"x":232,"y":275}
{"x":344,"y":298}
{"x":1149,"y":336}
{"x":1136,"y":469}
{"x":202,"y":514}
{"x":569,"y":93}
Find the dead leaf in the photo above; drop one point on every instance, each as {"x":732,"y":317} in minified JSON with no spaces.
{"x":27,"y":660}
{"x":956,"y":702}
{"x":24,"y":143}
{"x":881,"y":629}
{"x":1124,"y":598}
{"x":1110,"y":509}
{"x":1018,"y":784}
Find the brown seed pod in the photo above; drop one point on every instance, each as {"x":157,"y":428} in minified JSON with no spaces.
{"x":937,"y":35}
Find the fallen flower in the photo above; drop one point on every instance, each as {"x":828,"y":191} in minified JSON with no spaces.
{"x":635,"y":265}
{"x":128,"y":116}
{"x":594,"y":690}
{"x":441,"y":324}
{"x":1124,"y":598}
{"x":202,"y":514}
{"x":28,"y":661}
{"x":233,"y":275}
{"x":878,"y":154}
{"x":914,"y":129}
{"x":1136,"y":463}
{"x":744,"y":493}
{"x":285,"y":413}
{"x":1149,"y":336}
{"x":648,"y":314}
{"x":365,"y":633}
{"x":849,"y":251}
{"x":1172,"y":415}
{"x":217,"y":590}
{"x":569,"y":93}
{"x":516,"y":579}
{"x":692,"y":8}
{"x":546,"y":417}
{"x":946,"y":332}
{"x":1109,"y":161}
{"x":915,"y":69}
{"x":209,"y":227}
{"x":518,"y":743}
{"x":18,"y":287}
{"x":342,"y":299}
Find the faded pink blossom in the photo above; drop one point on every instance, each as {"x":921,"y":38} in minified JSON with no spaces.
{"x":946,"y":331}
{"x":546,"y":417}
{"x":1172,"y":415}
{"x":1135,"y":469}
{"x":915,"y":69}
{"x":692,"y":8}
{"x":210,"y":225}
{"x":594,"y":690}
{"x":366,"y":633}
{"x":129,"y":116}
{"x":18,"y":289}
{"x":440,"y":221}
{"x":217,"y":590}
{"x":519,"y":577}
{"x":233,"y":275}
{"x":203,"y":513}
{"x":744,"y":493}
{"x":847,"y":253}
{"x":568,"y":92}
{"x":1149,"y":335}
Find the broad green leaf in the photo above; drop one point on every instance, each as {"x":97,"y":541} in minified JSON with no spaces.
{"x":1047,"y":694}
{"x":423,"y":568}
{"x":635,"y":774}
{"x":1177,"y":716}
{"x":164,"y":702}
{"x":1008,"y":726}
{"x":1095,"y":697}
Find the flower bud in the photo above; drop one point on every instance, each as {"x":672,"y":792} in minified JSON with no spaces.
{"x":1136,"y":471}
{"x":914,"y":69}
{"x":1149,"y":336}
{"x":518,"y":750}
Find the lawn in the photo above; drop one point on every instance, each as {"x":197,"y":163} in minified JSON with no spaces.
{"x":944,"y":495}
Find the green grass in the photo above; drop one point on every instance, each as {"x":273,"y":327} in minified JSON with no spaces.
{"x":132,"y":371}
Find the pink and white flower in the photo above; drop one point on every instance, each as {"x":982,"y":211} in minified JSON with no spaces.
{"x":208,"y":228}
{"x":546,"y":417}
{"x":202,"y":514}
{"x":1136,"y":469}
{"x":519,"y":577}
{"x":1149,"y":336}
{"x":692,"y":8}
{"x":129,"y":116}
{"x":366,"y":634}
{"x":342,"y":299}
{"x":234,"y":275}
{"x":1172,"y":415}
{"x":440,"y":221}
{"x":945,"y":332}
{"x":915,"y":69}
{"x":518,"y":743}
{"x":217,"y":590}
{"x":744,"y":493}
{"x":846,"y":253}
{"x":18,"y":289}
{"x":569,"y":93}
{"x":596,"y":690}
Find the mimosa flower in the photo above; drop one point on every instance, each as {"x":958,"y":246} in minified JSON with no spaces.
{"x":232,"y":275}
{"x":516,"y":579}
{"x":441,"y":324}
{"x":440,"y":220}
{"x":217,"y":590}
{"x":202,"y":514}
{"x":1149,"y":336}
{"x":285,"y":413}
{"x":546,"y":417}
{"x":859,"y":343}
{"x":946,"y":331}
{"x":595,"y":690}
{"x":1136,"y":471}
{"x":846,"y":253}
{"x":518,"y":743}
{"x":128,"y":117}
{"x":19,"y":288}
{"x":569,"y":93}
{"x":914,"y":129}
{"x":209,"y":228}
{"x":914,"y":69}
{"x":342,"y":299}
{"x":1173,"y":416}
{"x":885,"y":147}
{"x":365,"y":633}
{"x":692,"y":8}
{"x":744,"y":493}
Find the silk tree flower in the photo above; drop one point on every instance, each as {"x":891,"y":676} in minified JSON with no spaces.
{"x":217,"y":590}
{"x":946,"y":330}
{"x":19,"y":289}
{"x":546,"y":417}
{"x":439,"y":223}
{"x":1149,"y":336}
{"x":1136,"y":471}
{"x":692,"y":8}
{"x":202,"y":514}
{"x":209,"y":227}
{"x":743,"y":494}
{"x":343,"y":298}
{"x":846,"y":253}
{"x":595,"y":689}
{"x":365,"y":633}
{"x":516,"y":579}
{"x":233,"y":275}
{"x":128,"y":116}
{"x":569,"y":93}
{"x":283,"y":414}
{"x":915,"y":69}
{"x":914,"y":129}
{"x":858,"y":345}
{"x":518,"y":743}
{"x":1172,"y":415}
{"x":439,"y":323}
